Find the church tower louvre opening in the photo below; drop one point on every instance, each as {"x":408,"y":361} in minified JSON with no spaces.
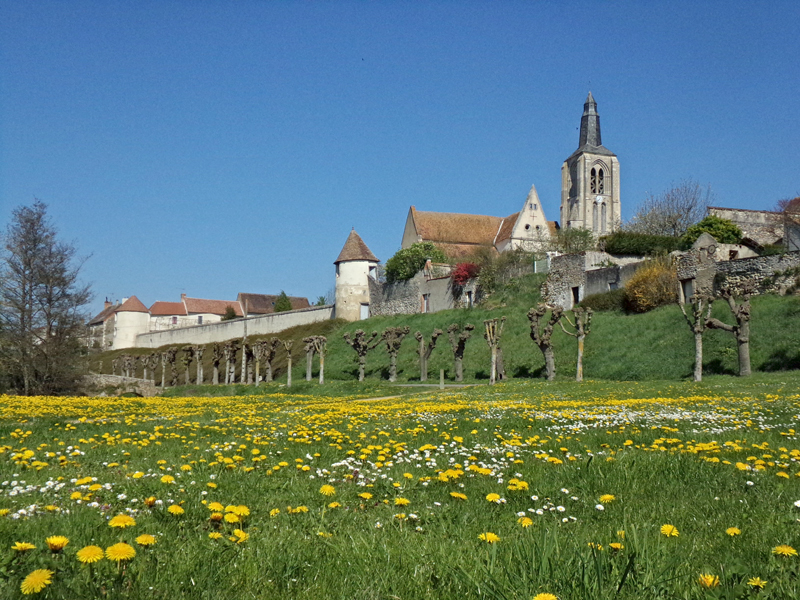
{"x":590,"y":185}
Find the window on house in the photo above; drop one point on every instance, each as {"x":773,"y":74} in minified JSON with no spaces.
{"x":469,"y":299}
{"x":426,"y":303}
{"x":733,"y":254}
{"x":174,"y":320}
{"x":373,"y":272}
{"x":533,"y":206}
{"x":527,"y":227}
{"x":687,"y":290}
{"x":576,"y":295}
{"x":199,"y":319}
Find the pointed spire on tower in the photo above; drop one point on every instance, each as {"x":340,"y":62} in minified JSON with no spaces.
{"x":590,"y":124}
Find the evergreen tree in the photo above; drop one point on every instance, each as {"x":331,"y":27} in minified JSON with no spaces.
{"x":282,"y":304}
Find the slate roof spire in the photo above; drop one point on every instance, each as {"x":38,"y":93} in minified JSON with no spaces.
{"x":590,"y":124}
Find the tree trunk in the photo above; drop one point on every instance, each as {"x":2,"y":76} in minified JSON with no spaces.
{"x":186,"y":375}
{"x":227,"y":371}
{"x":459,"y":368}
{"x":392,"y":367}
{"x":423,"y":360}
{"x":258,"y":372}
{"x":309,"y":365}
{"x":163,"y":371}
{"x":698,"y":356}
{"x":215,"y":374}
{"x":743,"y":340}
{"x":362,"y":364}
{"x":268,"y":372}
{"x":493,"y":372}
{"x":579,"y":367}
{"x":289,"y":372}
{"x":550,"y":363}
{"x":501,"y":369}
{"x":243,"y":377}
{"x":322,"y":368}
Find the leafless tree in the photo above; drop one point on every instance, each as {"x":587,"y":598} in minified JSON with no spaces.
{"x":151,"y":361}
{"x":172,"y":353}
{"x":361,"y":344}
{"x":216,"y":358}
{"x":41,"y":306}
{"x":740,"y":331}
{"x":186,"y":360}
{"x":287,"y":345}
{"x":493,"y":333}
{"x":582,"y":327}
{"x":163,"y":370}
{"x":270,"y":348}
{"x":458,"y":342}
{"x":393,"y":337}
{"x":672,"y":212}
{"x":198,"y":354}
{"x":698,"y":323}
{"x":229,"y":350}
{"x":542,"y":334}
{"x":310,"y":348}
{"x":425,"y":351}
{"x":319,"y":344}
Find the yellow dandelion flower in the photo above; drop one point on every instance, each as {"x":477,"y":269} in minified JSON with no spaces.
{"x":334,"y":505}
{"x":707,"y":580}
{"x":215,"y":535}
{"x":365,"y":495}
{"x":616,"y":546}
{"x":606,"y":498}
{"x":241,"y":536}
{"x":89,"y":554}
{"x":149,"y":502}
{"x":669,"y":530}
{"x":167,"y":479}
{"x":146,"y":540}
{"x":784,"y":550}
{"x":36,"y":581}
{"x":408,"y":476}
{"x":621,"y":534}
{"x":176,"y":510}
{"x":274,"y":512}
{"x":756,"y":582}
{"x":327,"y":490}
{"x":231,"y":518}
{"x":211,"y":484}
{"x":217,"y":516}
{"x":595,"y":546}
{"x":56,"y":543}
{"x":545,"y":596}
{"x":240,"y":510}
{"x":121,"y":551}
{"x":458,"y":495}
{"x":4,"y":511}
{"x":489,"y":538}
{"x":122,"y":521}
{"x":732,"y":531}
{"x":23,"y":547}
{"x":402,"y":501}
{"x":216,"y":507}
{"x":493,"y":497}
{"x":525,"y":521}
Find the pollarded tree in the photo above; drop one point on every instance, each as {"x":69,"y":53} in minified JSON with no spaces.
{"x":287,"y":345}
{"x":172,"y":353}
{"x":582,"y":327}
{"x":229,"y":350}
{"x":542,"y":334}
{"x":247,"y":360}
{"x":186,"y":361}
{"x":361,"y":344}
{"x":310,"y":348}
{"x":198,"y":354}
{"x":698,"y":324}
{"x":493,"y":333}
{"x":740,"y":331}
{"x":216,"y":358}
{"x":265,"y":352}
{"x":41,"y":306}
{"x":458,"y":342}
{"x":425,"y":351}
{"x":393,"y":336}
{"x":315,"y":344}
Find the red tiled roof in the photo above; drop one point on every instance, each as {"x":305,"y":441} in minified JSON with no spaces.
{"x":456,"y":228}
{"x":167,"y":309}
{"x":263,"y":304}
{"x":507,"y":227}
{"x":104,"y":315}
{"x":132,"y":304}
{"x":212,"y":307}
{"x":355,"y":249}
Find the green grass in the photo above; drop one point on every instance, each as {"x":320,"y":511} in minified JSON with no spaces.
{"x":666,"y":450}
{"x":654,"y":345}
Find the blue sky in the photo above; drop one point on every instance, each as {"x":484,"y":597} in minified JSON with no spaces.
{"x":213,"y":148}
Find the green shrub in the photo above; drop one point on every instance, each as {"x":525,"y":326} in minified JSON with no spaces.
{"x":570,"y":240}
{"x":654,"y":284}
{"x":722,"y":230}
{"x":607,"y":301}
{"x":282,"y":304}
{"x":639,"y":244}
{"x":409,"y":261}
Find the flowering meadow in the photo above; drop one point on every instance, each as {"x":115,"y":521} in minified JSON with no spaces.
{"x":525,"y":490}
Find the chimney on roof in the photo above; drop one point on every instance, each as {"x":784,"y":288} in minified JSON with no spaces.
{"x":106,"y":304}
{"x":183,"y":296}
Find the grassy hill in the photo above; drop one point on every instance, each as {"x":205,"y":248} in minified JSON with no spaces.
{"x":653,"y":346}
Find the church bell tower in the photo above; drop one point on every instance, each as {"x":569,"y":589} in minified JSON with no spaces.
{"x":590,"y":180}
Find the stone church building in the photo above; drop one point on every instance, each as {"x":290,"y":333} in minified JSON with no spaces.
{"x":590,"y":199}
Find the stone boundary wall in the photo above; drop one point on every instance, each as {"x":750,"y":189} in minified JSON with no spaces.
{"x":754,"y":271}
{"x":399,"y":298}
{"x":235,"y":329}
{"x":566,"y":272}
{"x":145,"y":387}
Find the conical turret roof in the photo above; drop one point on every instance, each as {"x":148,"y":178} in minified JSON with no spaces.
{"x":133,"y":304}
{"x":355,"y":249}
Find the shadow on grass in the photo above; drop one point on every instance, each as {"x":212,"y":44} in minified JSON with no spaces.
{"x":781,"y":360}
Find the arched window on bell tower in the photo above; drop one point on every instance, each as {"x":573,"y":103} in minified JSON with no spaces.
{"x":593,"y":181}
{"x":594,"y":215}
{"x":603,"y":217}
{"x":597,"y":180}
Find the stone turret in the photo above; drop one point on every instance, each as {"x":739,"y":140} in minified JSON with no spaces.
{"x":355,"y":265}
